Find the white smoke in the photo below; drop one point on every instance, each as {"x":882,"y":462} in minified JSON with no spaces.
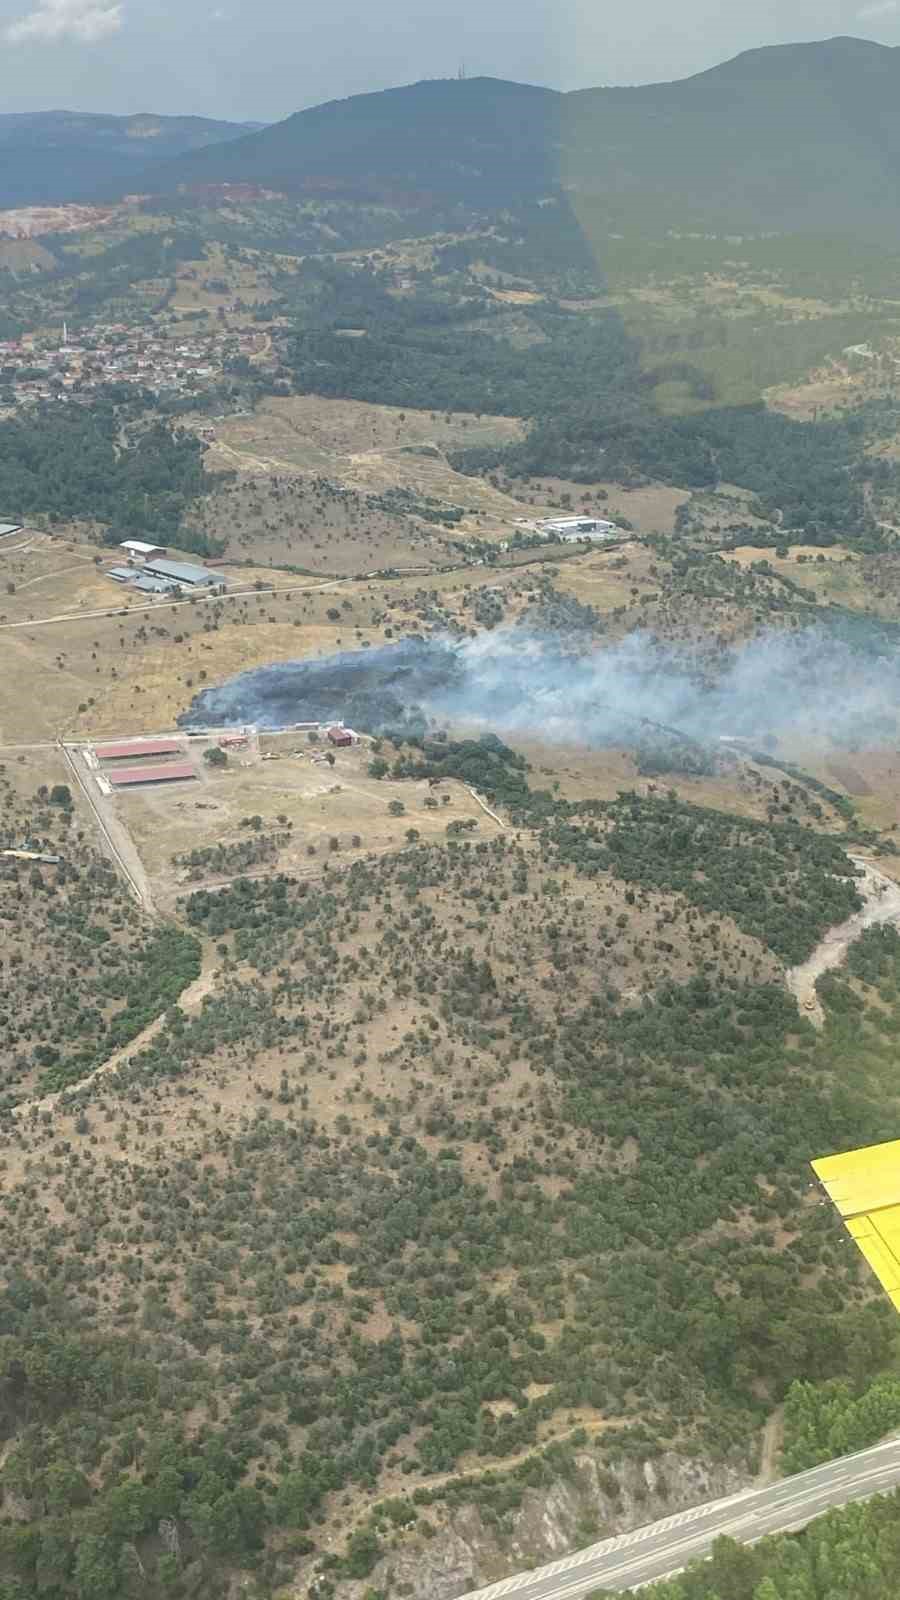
{"x":784,"y":684}
{"x":807,"y":684}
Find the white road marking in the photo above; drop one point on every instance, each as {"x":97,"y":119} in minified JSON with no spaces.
{"x":647,"y":1555}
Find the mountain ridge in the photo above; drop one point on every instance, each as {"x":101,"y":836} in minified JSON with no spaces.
{"x":784,"y":137}
{"x":60,"y":156}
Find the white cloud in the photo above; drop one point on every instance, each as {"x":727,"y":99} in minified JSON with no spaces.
{"x":878,"y":8}
{"x":86,"y":20}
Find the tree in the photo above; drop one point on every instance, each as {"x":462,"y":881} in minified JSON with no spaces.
{"x":97,"y":1574}
{"x":215,"y":756}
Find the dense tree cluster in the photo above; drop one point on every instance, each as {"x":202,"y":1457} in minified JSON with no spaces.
{"x":69,"y":462}
{"x":831,"y":1419}
{"x":589,"y":390}
{"x":82,"y":973}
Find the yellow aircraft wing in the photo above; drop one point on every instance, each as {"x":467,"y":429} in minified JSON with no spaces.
{"x":864,"y":1187}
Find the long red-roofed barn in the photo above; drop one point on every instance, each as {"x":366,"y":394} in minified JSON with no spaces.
{"x":165,"y":772}
{"x":136,"y":749}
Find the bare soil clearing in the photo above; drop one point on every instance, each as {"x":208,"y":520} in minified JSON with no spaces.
{"x":372,"y":452}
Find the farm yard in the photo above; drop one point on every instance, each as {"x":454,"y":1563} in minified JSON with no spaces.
{"x":297,"y":806}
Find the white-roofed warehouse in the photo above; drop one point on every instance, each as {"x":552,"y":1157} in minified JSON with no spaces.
{"x":180,"y":572}
{"x":140,"y":549}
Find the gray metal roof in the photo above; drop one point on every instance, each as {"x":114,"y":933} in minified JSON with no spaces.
{"x":181,"y":571}
{"x":9,"y":527}
{"x":150,"y":585}
{"x":120,"y":572}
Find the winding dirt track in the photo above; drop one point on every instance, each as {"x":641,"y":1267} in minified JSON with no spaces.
{"x":882,"y":904}
{"x":191,"y":999}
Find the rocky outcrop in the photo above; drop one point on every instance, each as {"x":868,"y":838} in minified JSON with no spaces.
{"x":450,"y":1552}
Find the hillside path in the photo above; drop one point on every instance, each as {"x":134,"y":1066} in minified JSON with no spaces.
{"x":882,"y":904}
{"x":772,"y":1439}
{"x":191,"y":999}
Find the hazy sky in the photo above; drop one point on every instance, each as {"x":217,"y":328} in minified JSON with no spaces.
{"x":230,"y":58}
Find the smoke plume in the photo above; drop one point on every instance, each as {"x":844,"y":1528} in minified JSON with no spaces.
{"x":810,"y":683}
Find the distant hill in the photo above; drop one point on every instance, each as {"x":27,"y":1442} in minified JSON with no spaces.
{"x":467,"y":139}
{"x":794,"y":136}
{"x":47,"y":157}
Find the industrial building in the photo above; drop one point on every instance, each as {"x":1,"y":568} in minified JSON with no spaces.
{"x":9,"y":528}
{"x":150,"y":773}
{"x":140,"y":579}
{"x":139,"y":550}
{"x":43,"y":856}
{"x":574,"y":529}
{"x":145,"y":583}
{"x":134,"y":749}
{"x":339,"y":736}
{"x":180,"y":572}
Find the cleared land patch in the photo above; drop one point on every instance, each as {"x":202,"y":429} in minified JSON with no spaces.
{"x":393,"y":461}
{"x":290,"y":811}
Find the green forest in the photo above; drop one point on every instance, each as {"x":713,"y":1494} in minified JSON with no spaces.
{"x":71,"y":462}
{"x":588,"y":388}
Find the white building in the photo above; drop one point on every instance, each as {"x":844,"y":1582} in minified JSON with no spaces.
{"x":574,"y":529}
{"x":138,"y":550}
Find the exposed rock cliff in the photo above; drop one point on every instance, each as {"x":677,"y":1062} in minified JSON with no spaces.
{"x":450,"y":1551}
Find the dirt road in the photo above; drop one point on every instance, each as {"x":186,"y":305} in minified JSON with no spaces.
{"x":161,"y":605}
{"x":882,"y":904}
{"x":772,"y":1440}
{"x":117,"y":839}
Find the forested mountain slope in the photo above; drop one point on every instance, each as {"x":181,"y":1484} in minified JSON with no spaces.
{"x":471,"y":1144}
{"x":52,"y":156}
{"x":795,"y":136}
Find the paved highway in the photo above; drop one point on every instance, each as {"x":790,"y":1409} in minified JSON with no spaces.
{"x":663,"y":1548}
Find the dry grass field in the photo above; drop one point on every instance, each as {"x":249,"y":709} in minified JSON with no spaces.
{"x":217,"y":282}
{"x":307,"y":430}
{"x":41,"y":575}
{"x":342,"y":486}
{"x":314,"y":524}
{"x":323,"y":816}
{"x":829,"y":388}
{"x":648,"y":509}
{"x":865,"y":583}
{"x":138,"y":667}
